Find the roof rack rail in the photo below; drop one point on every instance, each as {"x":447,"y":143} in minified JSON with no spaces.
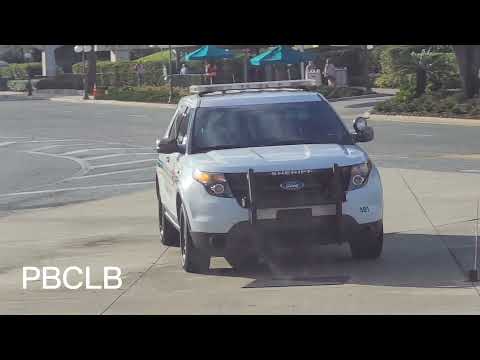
{"x":289,"y":84}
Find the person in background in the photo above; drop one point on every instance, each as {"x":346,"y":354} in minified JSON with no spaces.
{"x":140,"y":69}
{"x":310,"y":66}
{"x":330,"y":73}
{"x":211,"y":72}
{"x":184,"y":70}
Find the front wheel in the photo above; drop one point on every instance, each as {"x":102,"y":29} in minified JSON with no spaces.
{"x":368,"y":245}
{"x":193,"y":260}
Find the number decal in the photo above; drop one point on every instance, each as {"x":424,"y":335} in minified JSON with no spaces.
{"x":364,"y":209}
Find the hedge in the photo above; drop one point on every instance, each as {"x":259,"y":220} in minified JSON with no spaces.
{"x":64,"y":81}
{"x":158,"y":94}
{"x":20,"y":85}
{"x":21,"y":71}
{"x":438,"y":104}
{"x":122,"y":73}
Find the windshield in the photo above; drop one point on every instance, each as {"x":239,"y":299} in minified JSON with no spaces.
{"x":267,"y":125}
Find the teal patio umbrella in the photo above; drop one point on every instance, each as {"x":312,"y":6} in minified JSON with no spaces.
{"x":281,"y":54}
{"x":209,"y":52}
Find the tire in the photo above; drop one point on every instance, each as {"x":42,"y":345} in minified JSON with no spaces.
{"x":168,"y":233}
{"x":243,"y":262}
{"x":368,"y":245}
{"x":193,"y":260}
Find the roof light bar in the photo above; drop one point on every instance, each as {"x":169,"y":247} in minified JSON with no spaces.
{"x":293,"y":84}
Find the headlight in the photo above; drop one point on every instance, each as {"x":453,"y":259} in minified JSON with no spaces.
{"x":359,"y":175}
{"x":215,"y":183}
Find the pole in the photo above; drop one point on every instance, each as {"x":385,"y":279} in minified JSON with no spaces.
{"x":476,"y":240}
{"x":302,"y":64}
{"x":245,"y":67}
{"x":85,"y":90}
{"x":170,"y":94}
{"x":367,"y":79}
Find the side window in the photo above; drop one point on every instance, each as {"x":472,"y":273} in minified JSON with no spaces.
{"x":176,"y":118}
{"x":183,"y":127}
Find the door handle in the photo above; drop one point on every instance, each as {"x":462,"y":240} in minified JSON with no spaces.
{"x":167,"y":159}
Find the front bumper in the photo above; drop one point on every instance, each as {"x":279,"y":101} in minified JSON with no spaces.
{"x":246,"y":237}
{"x":214,"y":215}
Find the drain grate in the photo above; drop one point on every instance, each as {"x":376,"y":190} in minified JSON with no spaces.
{"x":298,"y":281}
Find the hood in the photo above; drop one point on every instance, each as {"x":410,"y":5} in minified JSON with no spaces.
{"x":272,"y":158}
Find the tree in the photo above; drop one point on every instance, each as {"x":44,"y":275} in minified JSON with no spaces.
{"x":468,"y":59}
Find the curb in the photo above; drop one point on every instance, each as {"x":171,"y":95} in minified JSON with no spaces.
{"x":369,"y":96}
{"x":20,"y":98}
{"x":424,"y":120}
{"x":114,"y":102}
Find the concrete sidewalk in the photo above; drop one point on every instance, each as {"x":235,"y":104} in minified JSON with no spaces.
{"x":428,"y":248}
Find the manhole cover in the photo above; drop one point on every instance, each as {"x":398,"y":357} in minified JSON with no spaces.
{"x":298,"y":281}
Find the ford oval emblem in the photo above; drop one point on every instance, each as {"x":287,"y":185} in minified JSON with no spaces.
{"x":294,"y":185}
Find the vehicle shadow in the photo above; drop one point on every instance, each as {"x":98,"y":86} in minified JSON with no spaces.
{"x":408,"y":260}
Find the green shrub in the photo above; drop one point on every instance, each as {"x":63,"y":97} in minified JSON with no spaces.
{"x":21,"y":71}
{"x":158,"y":94}
{"x":20,"y":85}
{"x":441,"y":103}
{"x":397,"y":62}
{"x":64,"y":81}
{"x":122,"y":73}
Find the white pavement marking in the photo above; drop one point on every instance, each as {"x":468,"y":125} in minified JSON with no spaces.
{"x":389,"y":156}
{"x":52,"y":140}
{"x":419,"y":135}
{"x":14,"y":137}
{"x":114,"y":155}
{"x":470,"y":171}
{"x":58,"y":145}
{"x":134,"y":115}
{"x":97,"y":149}
{"x":121,"y":163}
{"x":7,"y":143}
{"x":109,"y":173}
{"x":75,"y":188}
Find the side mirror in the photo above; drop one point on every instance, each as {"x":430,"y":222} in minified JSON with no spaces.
{"x":364,"y":133}
{"x":164,"y":146}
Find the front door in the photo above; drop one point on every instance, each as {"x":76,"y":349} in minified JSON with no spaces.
{"x":172,"y":161}
{"x":164,"y":166}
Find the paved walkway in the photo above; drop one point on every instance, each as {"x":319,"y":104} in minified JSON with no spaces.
{"x":428,"y":249}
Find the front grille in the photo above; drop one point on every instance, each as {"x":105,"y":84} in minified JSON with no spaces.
{"x":319,"y":188}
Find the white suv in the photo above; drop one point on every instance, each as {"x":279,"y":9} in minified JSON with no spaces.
{"x":241,"y":170}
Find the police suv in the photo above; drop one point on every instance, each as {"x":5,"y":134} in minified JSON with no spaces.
{"x":245,"y":167}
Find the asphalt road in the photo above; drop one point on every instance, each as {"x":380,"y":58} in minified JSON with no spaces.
{"x":54,"y":153}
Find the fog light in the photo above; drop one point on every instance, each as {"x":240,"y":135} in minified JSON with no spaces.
{"x":218,"y":189}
